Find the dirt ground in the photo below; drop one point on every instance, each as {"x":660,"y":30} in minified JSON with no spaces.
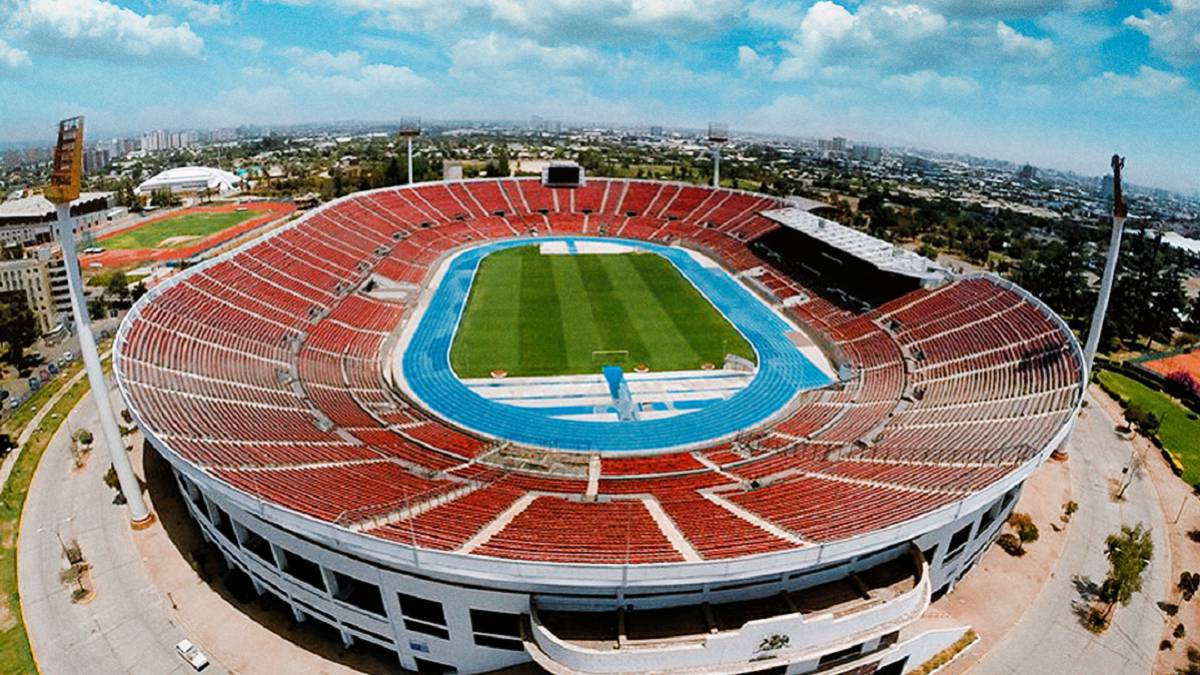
{"x":994,"y":595}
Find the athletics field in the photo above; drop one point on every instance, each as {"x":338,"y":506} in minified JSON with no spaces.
{"x":534,"y":314}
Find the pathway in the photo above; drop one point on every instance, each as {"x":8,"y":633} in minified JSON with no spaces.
{"x":1049,"y":637}
{"x":127,"y":627}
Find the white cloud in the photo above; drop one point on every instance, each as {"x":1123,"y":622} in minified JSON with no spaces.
{"x":1016,"y":44}
{"x":496,"y":56}
{"x":1146,"y":83}
{"x":1175,"y":34}
{"x":831,"y":34}
{"x":566,"y":21}
{"x":100,"y":28}
{"x":751,"y":62}
{"x":323,"y":61}
{"x":203,"y":13}
{"x":923,"y":82}
{"x":13,"y":58}
{"x":249,"y":43}
{"x":779,"y":15}
{"x":1015,"y":8}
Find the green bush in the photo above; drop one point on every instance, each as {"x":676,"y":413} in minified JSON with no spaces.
{"x":1188,"y":584}
{"x":1023,"y":523}
{"x":1011,"y":544}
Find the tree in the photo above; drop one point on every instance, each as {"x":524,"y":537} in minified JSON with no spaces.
{"x":339,"y":183}
{"x":165,"y":197}
{"x":116,"y":287}
{"x":18,"y":326}
{"x":1128,"y":552}
{"x":97,"y":307}
{"x":1145,"y":420}
{"x":393,"y":175}
{"x":1181,"y":383}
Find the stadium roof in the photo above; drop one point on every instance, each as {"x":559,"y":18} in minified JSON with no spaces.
{"x":881,"y":254}
{"x":38,"y":208}
{"x":193,"y":178}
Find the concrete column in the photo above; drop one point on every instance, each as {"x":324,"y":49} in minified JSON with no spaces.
{"x":716,"y":166}
{"x":139,"y":515}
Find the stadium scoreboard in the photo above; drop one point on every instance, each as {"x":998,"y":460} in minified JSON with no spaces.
{"x":563,"y":175}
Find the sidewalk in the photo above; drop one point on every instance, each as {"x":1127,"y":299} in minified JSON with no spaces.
{"x":1049,"y":637}
{"x":127,"y":627}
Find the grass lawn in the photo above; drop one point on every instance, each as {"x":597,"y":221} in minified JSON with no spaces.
{"x":194,"y":226}
{"x":1180,"y":430}
{"x":533,"y":314}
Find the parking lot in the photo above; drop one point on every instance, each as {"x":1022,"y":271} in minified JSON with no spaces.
{"x":57,"y":350}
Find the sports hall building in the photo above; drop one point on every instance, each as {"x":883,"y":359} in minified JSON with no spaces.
{"x":800,"y":518}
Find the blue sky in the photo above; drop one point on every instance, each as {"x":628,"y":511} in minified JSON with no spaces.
{"x":1059,"y":83}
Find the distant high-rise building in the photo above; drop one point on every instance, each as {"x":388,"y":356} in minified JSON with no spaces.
{"x":866,"y":153}
{"x":838,"y":144}
{"x":1027,"y":173}
{"x":96,"y":158}
{"x":656,"y":131}
{"x":1106,"y":187}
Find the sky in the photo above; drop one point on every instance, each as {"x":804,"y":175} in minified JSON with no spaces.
{"x":1057,"y":83}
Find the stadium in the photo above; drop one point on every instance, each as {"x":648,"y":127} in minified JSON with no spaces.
{"x":627,"y":426}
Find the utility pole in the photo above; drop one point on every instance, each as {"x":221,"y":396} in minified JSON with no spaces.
{"x":410,"y":128}
{"x":64,"y":189}
{"x":1119,"y":214}
{"x":718,"y":135}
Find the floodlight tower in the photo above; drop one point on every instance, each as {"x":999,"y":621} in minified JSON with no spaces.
{"x":718,"y":135}
{"x":1119,"y":213}
{"x":410,"y":128}
{"x":64,"y":189}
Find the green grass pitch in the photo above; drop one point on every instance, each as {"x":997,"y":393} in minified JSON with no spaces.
{"x":196,"y":226}
{"x":533,"y":314}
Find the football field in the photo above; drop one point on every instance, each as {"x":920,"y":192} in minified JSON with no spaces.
{"x":534,"y":314}
{"x":177,"y":231}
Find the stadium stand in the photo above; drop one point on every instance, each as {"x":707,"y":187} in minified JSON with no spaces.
{"x":264,"y":369}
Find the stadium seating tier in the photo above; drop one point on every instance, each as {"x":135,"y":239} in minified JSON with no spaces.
{"x":265,"y":371}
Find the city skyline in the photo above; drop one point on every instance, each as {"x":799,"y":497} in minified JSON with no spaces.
{"x":1059,"y":85}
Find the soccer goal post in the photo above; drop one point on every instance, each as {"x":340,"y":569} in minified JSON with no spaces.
{"x":610,"y":357}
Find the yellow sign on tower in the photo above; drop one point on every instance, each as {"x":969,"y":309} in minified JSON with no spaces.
{"x":68,"y":162}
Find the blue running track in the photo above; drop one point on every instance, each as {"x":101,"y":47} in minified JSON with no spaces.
{"x":783,"y":370}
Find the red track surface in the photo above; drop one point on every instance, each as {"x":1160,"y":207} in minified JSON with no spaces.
{"x":1188,"y":362}
{"x":121,"y":258}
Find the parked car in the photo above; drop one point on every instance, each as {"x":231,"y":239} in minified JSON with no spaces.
{"x":69,"y":356}
{"x":3,"y":394}
{"x":52,"y":368}
{"x":34,"y":384}
{"x":15,"y":403}
{"x":192,"y":654}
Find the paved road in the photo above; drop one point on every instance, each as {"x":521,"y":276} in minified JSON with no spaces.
{"x":127,"y":628}
{"x":1049,"y":638}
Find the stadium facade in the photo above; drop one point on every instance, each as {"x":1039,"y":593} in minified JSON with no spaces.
{"x":813,"y":541}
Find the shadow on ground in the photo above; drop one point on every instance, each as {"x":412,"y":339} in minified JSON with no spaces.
{"x":235,"y":587}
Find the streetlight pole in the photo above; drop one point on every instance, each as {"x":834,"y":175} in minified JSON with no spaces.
{"x":139,"y":515}
{"x":1110,"y":266}
{"x":64,"y":189}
